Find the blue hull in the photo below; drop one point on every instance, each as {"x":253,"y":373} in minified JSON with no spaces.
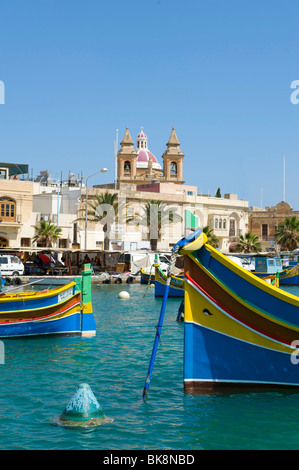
{"x":74,"y":324}
{"x":173,"y":292}
{"x":212,"y":358}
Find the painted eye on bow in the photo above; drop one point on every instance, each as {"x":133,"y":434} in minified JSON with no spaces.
{"x":206,"y":311}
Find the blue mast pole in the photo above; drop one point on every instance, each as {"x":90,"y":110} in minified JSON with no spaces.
{"x":182,"y":243}
{"x":157,"y":338}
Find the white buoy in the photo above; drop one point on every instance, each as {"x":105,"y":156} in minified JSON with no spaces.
{"x":124,"y":295}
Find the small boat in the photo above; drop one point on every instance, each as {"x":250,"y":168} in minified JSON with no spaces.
{"x":240,"y":331}
{"x":287,"y":277}
{"x":144,"y":277}
{"x":176,"y":287}
{"x":63,"y":310}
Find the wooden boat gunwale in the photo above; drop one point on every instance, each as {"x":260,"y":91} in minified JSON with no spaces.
{"x":20,"y":296}
{"x":247,"y":276}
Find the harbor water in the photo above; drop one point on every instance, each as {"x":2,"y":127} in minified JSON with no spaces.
{"x":40,"y":375}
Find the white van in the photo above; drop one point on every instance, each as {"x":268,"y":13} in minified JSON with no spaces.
{"x":11,"y":266}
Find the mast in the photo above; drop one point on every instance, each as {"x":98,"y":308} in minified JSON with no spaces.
{"x":115,"y":158}
{"x":283,"y":188}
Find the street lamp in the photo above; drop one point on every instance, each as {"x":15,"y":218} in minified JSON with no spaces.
{"x":103,"y":170}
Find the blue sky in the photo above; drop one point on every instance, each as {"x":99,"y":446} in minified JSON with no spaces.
{"x":220,"y":72}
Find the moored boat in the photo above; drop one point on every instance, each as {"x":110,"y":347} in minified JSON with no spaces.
{"x":64,"y":310}
{"x":145,"y":277}
{"x":287,"y":277}
{"x":240,"y":331}
{"x":176,"y":286}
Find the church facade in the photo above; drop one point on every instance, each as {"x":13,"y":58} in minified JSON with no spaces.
{"x":139,"y":165}
{"x":141,"y":178}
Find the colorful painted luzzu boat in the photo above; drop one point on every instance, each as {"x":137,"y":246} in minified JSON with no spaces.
{"x":240,"y":331}
{"x":63,"y":310}
{"x":176,"y":287}
{"x":145,"y":277}
{"x":287,"y":277}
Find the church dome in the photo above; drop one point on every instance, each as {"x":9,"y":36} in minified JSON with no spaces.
{"x":143,"y":153}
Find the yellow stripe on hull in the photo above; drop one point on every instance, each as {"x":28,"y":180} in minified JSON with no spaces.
{"x":219,"y":320}
{"x":260,"y":283}
{"x":283,"y":295}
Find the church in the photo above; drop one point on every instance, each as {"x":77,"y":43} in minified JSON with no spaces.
{"x":139,"y":165}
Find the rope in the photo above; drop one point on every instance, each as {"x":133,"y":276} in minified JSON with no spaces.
{"x":172,"y":262}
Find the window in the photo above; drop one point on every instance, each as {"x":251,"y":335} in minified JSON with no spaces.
{"x":25,"y":241}
{"x":264,"y":231}
{"x":75,"y":232}
{"x":127,"y":168}
{"x":232,"y":227}
{"x":220,"y":223}
{"x":7,"y":209}
{"x":173,"y":169}
{"x":216,"y":223}
{"x":63,"y":243}
{"x":3,"y":242}
{"x":224,"y":224}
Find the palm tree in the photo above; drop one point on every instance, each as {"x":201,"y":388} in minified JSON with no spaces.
{"x":104,"y":208}
{"x":212,"y":239}
{"x":248,"y":243}
{"x":156,"y":214}
{"x":47,"y":233}
{"x":287,"y":233}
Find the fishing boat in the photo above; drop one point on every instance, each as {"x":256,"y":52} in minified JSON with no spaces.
{"x":146,"y":277}
{"x":63,"y":310}
{"x":287,"y":277}
{"x":240,"y":331}
{"x":176,"y":286}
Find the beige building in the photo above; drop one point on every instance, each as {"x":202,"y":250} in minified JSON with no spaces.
{"x":264,"y":222}
{"x":16,"y":218}
{"x":24,"y":203}
{"x":141,"y":178}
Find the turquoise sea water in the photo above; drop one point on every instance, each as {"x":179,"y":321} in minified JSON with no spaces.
{"x":40,"y":375}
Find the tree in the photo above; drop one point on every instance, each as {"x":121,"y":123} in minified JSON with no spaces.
{"x":218,"y":193}
{"x":104,"y":208}
{"x":287,"y":233}
{"x":248,"y":243}
{"x":47,"y":233}
{"x":156,"y":214}
{"x":211,"y":238}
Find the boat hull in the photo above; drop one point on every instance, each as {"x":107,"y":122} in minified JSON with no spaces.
{"x":223,"y":363}
{"x":144,"y":277}
{"x":176,"y":286}
{"x":65,"y":310}
{"x":287,"y":277}
{"x":239,"y":330}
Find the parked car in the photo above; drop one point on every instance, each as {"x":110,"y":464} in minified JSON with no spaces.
{"x":44,"y":264}
{"x":11,"y":266}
